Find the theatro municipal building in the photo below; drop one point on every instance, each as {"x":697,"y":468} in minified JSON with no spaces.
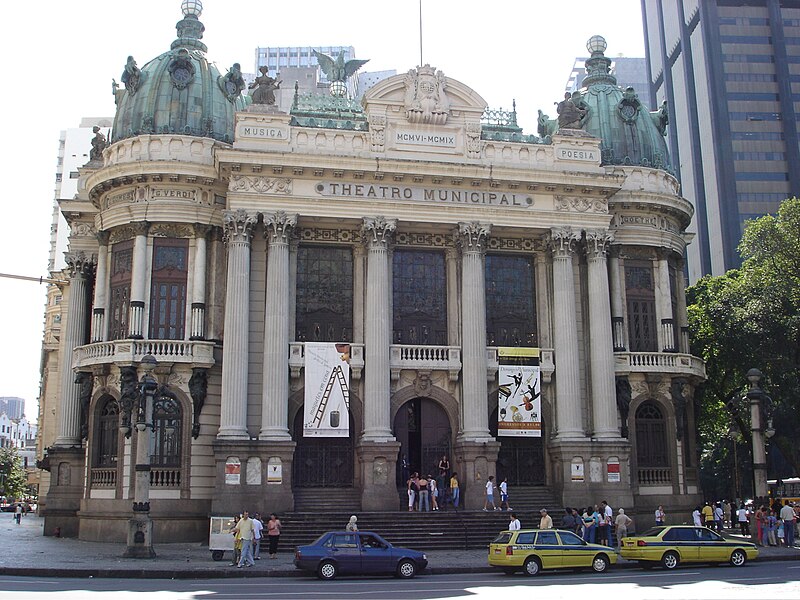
{"x":260,"y":304}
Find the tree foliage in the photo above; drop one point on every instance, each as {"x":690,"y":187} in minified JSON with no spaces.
{"x":13,"y":479}
{"x":750,"y":317}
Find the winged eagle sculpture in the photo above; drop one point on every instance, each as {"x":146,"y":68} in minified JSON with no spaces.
{"x":338,"y":69}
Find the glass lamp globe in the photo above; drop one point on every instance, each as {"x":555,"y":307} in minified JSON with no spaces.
{"x":338,"y":89}
{"x":192,"y":8}
{"x":596,"y":44}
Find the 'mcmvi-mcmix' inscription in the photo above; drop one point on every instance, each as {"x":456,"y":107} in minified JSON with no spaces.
{"x":419,"y":194}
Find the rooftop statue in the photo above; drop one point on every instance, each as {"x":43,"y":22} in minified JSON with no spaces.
{"x":131,"y":76}
{"x":232,"y":83}
{"x":265,"y":87}
{"x":570,"y":116}
{"x":338,"y":69}
{"x":661,"y":118}
{"x":98,"y":145}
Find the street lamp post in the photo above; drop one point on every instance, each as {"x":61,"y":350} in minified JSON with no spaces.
{"x":760,"y":403}
{"x":140,"y":526}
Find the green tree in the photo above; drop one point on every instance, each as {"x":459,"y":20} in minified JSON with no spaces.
{"x":750,"y":317}
{"x":13,"y":479}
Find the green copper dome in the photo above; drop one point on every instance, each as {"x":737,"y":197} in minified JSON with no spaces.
{"x":179,"y":91}
{"x":630,"y":133}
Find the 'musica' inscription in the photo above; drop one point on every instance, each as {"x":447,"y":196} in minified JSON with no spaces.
{"x":582,"y":154}
{"x":419,"y":194}
{"x":263,"y":132}
{"x":442,"y":140}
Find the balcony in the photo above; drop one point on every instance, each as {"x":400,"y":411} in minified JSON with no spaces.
{"x":426,"y":358}
{"x":297,"y":359}
{"x":126,"y":352}
{"x":103,"y":477}
{"x":659,"y":362}
{"x":546,"y":363}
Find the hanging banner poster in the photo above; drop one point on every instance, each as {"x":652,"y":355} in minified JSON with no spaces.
{"x":327,"y":390}
{"x":519,"y":402}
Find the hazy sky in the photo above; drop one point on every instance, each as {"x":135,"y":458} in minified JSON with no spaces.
{"x":58,"y":59}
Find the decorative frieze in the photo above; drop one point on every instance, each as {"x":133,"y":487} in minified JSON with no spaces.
{"x":516,"y":244}
{"x":261,"y":185}
{"x":581,"y":204}
{"x":82,"y":229}
{"x":171,"y":230}
{"x":657,"y":222}
{"x":474,"y":143}
{"x":377,"y":132}
{"x":430,"y":240}
{"x":316,"y":234}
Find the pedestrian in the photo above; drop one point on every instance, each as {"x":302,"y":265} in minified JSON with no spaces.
{"x":546,"y":521}
{"x":504,"y":494}
{"x":351,"y":524}
{"x":489,"y":495}
{"x":444,"y":467}
{"x":245,"y":529}
{"x":741,"y":516}
{"x":727,"y":508}
{"x":274,"y":534}
{"x":18,"y":513}
{"x":622,"y":522}
{"x":697,"y":517}
{"x":258,"y":527}
{"x":433,"y":489}
{"x":787,"y":516}
{"x":606,"y":521}
{"x":760,"y":517}
{"x":660,"y":516}
{"x":589,"y":525}
{"x":772,"y":528}
{"x":718,"y":517}
{"x":412,"y":493}
{"x":708,"y":515}
{"x":237,"y":542}
{"x":514,"y":524}
{"x":567,"y":520}
{"x":578,"y":522}
{"x":454,"y":491}
{"x":424,"y":499}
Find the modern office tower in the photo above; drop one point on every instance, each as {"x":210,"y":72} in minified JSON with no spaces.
{"x":730,"y":72}
{"x":14,"y":407}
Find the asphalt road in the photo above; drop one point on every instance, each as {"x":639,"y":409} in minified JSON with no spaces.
{"x":757,"y":580}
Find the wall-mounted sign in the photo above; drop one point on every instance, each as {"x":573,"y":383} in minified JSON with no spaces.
{"x":612,"y":466}
{"x":576,"y":469}
{"x":233,"y":471}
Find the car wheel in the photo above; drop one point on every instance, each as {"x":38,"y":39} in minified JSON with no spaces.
{"x":406,"y":569}
{"x":217,"y":554}
{"x":327,"y":570}
{"x":670,"y":560}
{"x":738,"y":558}
{"x":600,"y":563}
{"x":532,"y":566}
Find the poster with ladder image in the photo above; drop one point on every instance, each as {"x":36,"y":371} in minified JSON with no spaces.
{"x":519,"y":401}
{"x":327,"y":390}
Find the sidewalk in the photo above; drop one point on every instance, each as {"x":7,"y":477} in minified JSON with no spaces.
{"x":29,"y":553}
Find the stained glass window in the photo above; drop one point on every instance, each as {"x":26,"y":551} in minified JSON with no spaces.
{"x":324,"y":305}
{"x":510,"y":307}
{"x":420,"y":298}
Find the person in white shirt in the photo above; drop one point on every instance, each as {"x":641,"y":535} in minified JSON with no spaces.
{"x":660,"y":515}
{"x":258,"y":527}
{"x":504,"y":494}
{"x":514,"y":524}
{"x":787,"y":516}
{"x":696,"y":517}
{"x":490,"y":495}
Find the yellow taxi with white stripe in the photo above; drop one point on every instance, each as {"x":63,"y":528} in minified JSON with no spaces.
{"x":532,"y":550}
{"x":672,"y":545}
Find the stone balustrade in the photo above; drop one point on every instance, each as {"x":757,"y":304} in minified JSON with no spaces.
{"x":430,"y":358}
{"x":103,"y":477}
{"x":658,"y":362}
{"x":124,"y":352}
{"x":297,"y":359}
{"x":654,"y":476}
{"x":165,"y":477}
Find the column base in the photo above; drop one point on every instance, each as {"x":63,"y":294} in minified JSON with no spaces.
{"x":377,"y":461}
{"x":474,"y":462}
{"x":233,"y":433}
{"x":274,"y":435}
{"x":66,"y":466}
{"x":140,"y":537}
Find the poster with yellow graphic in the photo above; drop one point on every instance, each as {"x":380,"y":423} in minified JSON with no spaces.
{"x":519,"y":396}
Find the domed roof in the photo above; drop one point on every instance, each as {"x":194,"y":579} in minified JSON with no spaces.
{"x":179,"y":91}
{"x":630,"y":133}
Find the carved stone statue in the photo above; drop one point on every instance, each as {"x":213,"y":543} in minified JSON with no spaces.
{"x":679,"y":402}
{"x":426,"y":98}
{"x":232,"y":83}
{"x":569,"y":115}
{"x":86,"y":383}
{"x":624,"y":394}
{"x":131,"y":76}
{"x":338,"y":69}
{"x":265,"y":87}
{"x":129,"y":392}
{"x":583,"y":106}
{"x":546,"y":126}
{"x":198,"y":388}
{"x":99,"y":144}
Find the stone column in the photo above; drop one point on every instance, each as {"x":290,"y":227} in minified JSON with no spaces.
{"x":197,"y":326}
{"x":682,"y":318}
{"x":294,"y":243}
{"x":278,"y":228}
{"x":617,"y":300}
{"x":359,"y":289}
{"x":453,"y":316}
{"x":238,"y":227}
{"x":472,"y":240}
{"x":568,"y":394}
{"x":100,"y":305}
{"x":73,"y":334}
{"x":543,"y":299}
{"x":666,"y":336}
{"x":377,"y":233}
{"x":601,"y":359}
{"x":138,"y":282}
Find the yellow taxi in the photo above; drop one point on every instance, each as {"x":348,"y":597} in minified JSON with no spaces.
{"x":674,"y":544}
{"x":531,"y":550}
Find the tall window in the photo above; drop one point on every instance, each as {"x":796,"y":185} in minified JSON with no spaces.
{"x":641,"y":299}
{"x":510,"y":312}
{"x":168,"y":288}
{"x":651,"y":436}
{"x":324,"y":306}
{"x":420,"y":298}
{"x":121,"y":273}
{"x":107,"y":434}
{"x":165,"y":450}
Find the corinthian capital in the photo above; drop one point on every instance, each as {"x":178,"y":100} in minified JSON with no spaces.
{"x":378,"y":231}
{"x":238,"y":225}
{"x":472,"y":236}
{"x":598,"y":242}
{"x":80,"y":264}
{"x":563,"y":240}
{"x":278,"y":226}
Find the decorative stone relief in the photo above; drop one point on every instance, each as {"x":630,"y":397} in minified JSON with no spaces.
{"x":380,"y":472}
{"x":308,"y":234}
{"x":526,"y":245}
{"x":423,"y":384}
{"x":598,"y":242}
{"x":80,"y":264}
{"x":278,"y":226}
{"x":581,"y":204}
{"x":426,"y":99}
{"x":472,"y":237}
{"x":261,"y":185}
{"x":198,"y":389}
{"x":595,"y":469}
{"x":64,"y":477}
{"x":421,"y":239}
{"x":378,"y":231}
{"x":254,"y":470}
{"x":377,"y":132}
{"x":171,"y":230}
{"x":474,"y":144}
{"x":238,"y":225}
{"x":82,"y":230}
{"x":562,"y":241}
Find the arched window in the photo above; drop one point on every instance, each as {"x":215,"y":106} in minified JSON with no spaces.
{"x":107,"y":430}
{"x":652,"y":449}
{"x":167,"y":427}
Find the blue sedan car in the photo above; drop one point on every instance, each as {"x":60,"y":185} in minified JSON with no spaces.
{"x":357,"y":553}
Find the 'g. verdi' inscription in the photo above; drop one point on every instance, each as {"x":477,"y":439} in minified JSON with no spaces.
{"x":420,"y":194}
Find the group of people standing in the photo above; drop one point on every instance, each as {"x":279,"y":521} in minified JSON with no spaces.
{"x":247,"y":534}
{"x":426,"y":493}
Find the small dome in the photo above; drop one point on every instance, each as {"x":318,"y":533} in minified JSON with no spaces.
{"x":630,"y":133}
{"x":179,"y":91}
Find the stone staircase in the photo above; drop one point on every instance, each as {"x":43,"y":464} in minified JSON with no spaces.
{"x":326,"y":500}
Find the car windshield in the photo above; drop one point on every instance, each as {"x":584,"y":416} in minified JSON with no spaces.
{"x":503,"y":538}
{"x":319,"y":540}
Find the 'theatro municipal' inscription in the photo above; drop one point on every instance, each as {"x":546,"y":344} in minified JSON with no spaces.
{"x":419,"y":194}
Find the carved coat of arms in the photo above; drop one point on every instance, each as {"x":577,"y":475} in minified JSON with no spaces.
{"x":426,"y":99}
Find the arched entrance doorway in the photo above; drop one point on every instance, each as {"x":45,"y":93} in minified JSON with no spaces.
{"x":521,"y":458}
{"x":322,"y":461}
{"x":423,"y":430}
